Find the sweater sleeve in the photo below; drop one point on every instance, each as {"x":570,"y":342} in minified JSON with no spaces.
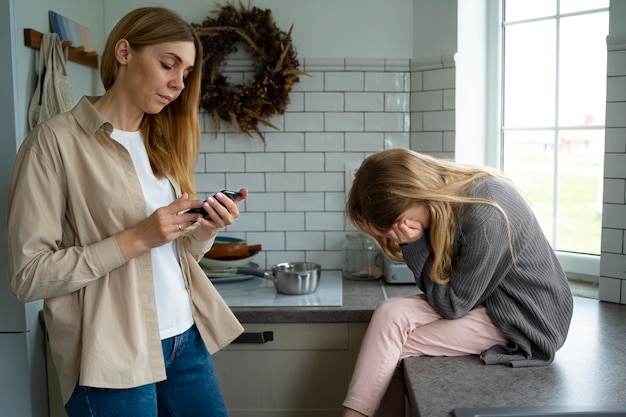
{"x":416,"y":255}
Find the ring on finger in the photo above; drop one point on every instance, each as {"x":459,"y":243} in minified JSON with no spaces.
{"x":179,"y":228}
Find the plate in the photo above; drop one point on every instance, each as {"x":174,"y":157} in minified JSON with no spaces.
{"x":208,"y":263}
{"x":228,"y":239}
{"x":222,"y":277}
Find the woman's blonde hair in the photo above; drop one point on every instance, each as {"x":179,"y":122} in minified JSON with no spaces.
{"x":389,"y":182}
{"x":172,"y":137}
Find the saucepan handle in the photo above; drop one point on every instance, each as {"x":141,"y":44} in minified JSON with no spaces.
{"x":249,"y":271}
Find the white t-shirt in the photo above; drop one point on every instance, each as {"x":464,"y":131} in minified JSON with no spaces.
{"x":172,"y":299}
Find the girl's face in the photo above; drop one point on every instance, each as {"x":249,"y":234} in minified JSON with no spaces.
{"x":155,"y":75}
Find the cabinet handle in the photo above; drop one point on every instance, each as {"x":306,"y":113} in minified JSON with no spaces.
{"x":261,"y":337}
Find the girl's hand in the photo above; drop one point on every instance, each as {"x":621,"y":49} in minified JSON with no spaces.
{"x":409,"y":226}
{"x":407,"y":231}
{"x":402,"y":231}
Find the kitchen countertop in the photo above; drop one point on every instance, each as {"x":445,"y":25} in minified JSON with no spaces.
{"x":588,"y":370}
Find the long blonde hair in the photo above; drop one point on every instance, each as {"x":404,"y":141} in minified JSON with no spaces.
{"x":389,"y":182}
{"x":172,"y":137}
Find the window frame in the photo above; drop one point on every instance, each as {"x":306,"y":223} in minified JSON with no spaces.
{"x":579,"y":265}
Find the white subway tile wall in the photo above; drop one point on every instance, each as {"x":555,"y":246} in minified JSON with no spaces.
{"x":346,"y":110}
{"x":432,"y":107}
{"x":613,"y":257}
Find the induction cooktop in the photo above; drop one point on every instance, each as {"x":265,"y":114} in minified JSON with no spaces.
{"x":260,"y":292}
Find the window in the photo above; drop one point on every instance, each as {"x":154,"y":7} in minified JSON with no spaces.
{"x":553,"y":106}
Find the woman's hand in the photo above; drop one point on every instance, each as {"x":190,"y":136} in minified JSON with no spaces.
{"x":221,"y":212}
{"x":168,"y":223}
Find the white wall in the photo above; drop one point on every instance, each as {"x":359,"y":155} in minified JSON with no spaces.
{"x":322,"y":28}
{"x":472,"y":85}
{"x":435,"y":27}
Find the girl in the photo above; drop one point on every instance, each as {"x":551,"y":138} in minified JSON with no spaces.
{"x":491,"y":283}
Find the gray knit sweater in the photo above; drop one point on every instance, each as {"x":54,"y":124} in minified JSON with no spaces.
{"x":529,"y":299}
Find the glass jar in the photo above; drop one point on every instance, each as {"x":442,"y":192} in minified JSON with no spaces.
{"x":362,"y":258}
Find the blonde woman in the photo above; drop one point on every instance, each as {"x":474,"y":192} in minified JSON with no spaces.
{"x":491,"y":283}
{"x":98,"y":229}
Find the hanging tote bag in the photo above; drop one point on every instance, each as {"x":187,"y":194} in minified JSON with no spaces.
{"x":53,"y":94}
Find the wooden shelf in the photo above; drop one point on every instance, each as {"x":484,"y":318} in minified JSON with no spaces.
{"x":32,"y":39}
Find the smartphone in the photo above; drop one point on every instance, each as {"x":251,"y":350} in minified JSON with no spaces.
{"x":233,"y":195}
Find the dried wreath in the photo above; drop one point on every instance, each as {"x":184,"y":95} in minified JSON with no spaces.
{"x":264,"y":95}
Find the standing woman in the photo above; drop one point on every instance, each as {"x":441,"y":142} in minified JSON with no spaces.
{"x":492,"y":284}
{"x":97,"y":230}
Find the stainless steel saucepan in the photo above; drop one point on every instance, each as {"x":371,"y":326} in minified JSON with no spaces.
{"x":292,"y":278}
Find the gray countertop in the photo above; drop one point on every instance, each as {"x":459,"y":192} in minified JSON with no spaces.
{"x":590,"y":369}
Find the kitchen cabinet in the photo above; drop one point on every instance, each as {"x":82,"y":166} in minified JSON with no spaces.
{"x":303,"y":372}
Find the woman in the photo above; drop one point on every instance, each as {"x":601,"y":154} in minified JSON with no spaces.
{"x":491,"y":283}
{"x":98,"y":230}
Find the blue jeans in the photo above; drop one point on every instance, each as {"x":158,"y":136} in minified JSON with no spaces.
{"x":191,"y":388}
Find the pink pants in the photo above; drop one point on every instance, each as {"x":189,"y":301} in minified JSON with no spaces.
{"x":409,"y":326}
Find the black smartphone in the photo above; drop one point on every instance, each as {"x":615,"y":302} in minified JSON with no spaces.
{"x":233,"y":195}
